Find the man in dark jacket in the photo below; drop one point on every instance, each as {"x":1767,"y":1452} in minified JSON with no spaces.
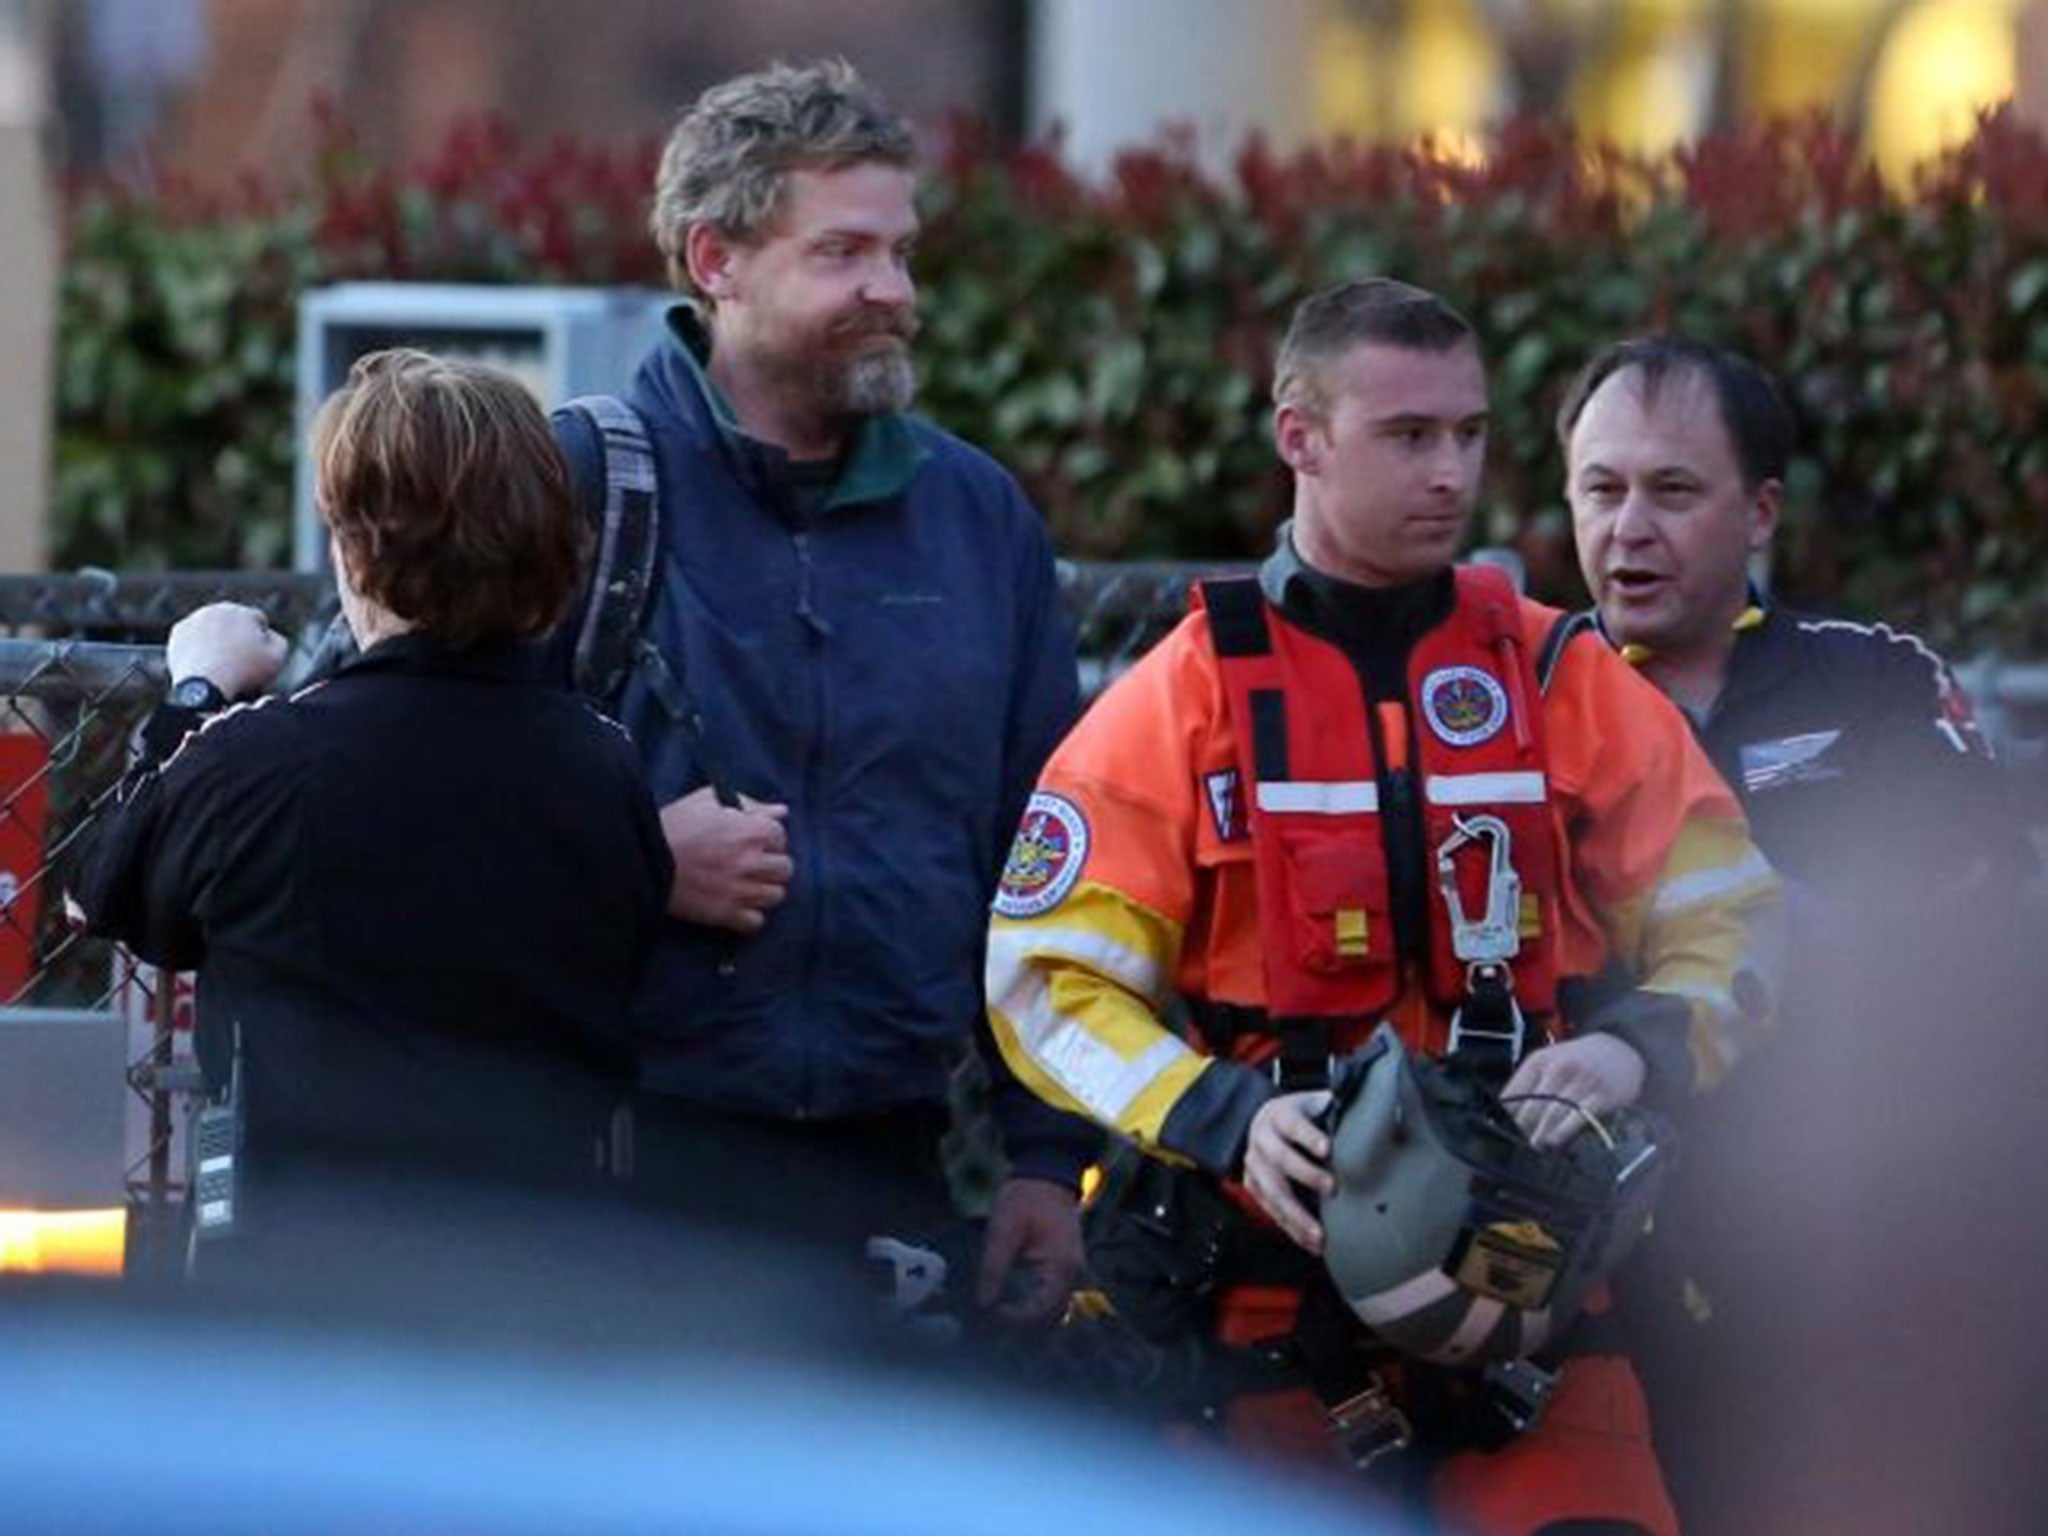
{"x":1868,"y":786}
{"x":419,"y":893}
{"x":863,"y":611}
{"x":1838,"y":737}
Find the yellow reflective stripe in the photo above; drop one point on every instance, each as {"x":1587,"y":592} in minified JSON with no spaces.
{"x":1071,"y":1002}
{"x":1146,"y":1113}
{"x":1068,"y":1047}
{"x":1713,"y":916}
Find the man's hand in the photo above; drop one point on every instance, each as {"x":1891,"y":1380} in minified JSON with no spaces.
{"x":1037,"y":1224}
{"x":1597,"y":1072}
{"x":231,"y":645}
{"x":732,"y":866}
{"x":1286,"y":1148}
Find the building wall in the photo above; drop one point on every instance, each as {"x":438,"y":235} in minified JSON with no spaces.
{"x":2031,"y":97}
{"x":403,"y":71}
{"x":27,"y":294}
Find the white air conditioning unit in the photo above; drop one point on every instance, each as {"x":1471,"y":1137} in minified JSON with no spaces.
{"x":562,"y":342}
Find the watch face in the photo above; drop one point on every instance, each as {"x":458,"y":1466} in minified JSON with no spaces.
{"x":196,"y":693}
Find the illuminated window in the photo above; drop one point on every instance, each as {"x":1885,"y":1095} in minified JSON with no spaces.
{"x":1943,"y":63}
{"x":63,"y":1242}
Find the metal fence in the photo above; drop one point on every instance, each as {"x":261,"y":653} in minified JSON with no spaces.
{"x":81,"y":665}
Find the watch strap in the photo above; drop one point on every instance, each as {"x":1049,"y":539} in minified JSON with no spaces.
{"x":198,"y":693}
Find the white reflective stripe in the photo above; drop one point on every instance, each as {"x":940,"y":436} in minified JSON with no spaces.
{"x":215,"y":1164}
{"x":1011,"y":948}
{"x":1705,"y":885}
{"x":1089,"y":1068}
{"x":1481,"y":1318}
{"x":1405,"y":1299}
{"x":1310,"y":798}
{"x":1482,"y":788}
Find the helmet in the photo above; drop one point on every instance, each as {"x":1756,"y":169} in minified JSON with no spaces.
{"x":1452,"y":1237}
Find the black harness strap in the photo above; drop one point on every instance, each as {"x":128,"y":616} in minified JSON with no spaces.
{"x":1237,"y":616}
{"x":1567,"y":628}
{"x":1269,"y":736}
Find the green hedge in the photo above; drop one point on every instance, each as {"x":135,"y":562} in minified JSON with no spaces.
{"x":1110,"y":338}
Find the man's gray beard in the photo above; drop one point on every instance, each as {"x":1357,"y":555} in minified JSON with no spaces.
{"x":879,"y":380}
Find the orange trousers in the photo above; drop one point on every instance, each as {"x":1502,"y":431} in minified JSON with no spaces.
{"x":1589,"y":1458}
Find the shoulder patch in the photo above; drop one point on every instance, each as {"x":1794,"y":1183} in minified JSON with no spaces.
{"x":1226,"y":805}
{"x":1046,"y":859}
{"x":1788,"y":760}
{"x":1464,"y":705}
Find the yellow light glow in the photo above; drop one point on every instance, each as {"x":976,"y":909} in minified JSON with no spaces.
{"x":1341,"y":76}
{"x":1944,"y":62}
{"x":1448,"y":82}
{"x":1656,"y":97}
{"x":63,"y":1242}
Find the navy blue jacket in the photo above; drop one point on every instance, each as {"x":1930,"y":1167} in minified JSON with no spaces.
{"x":895,"y":667}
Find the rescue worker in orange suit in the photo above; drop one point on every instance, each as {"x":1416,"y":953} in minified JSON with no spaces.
{"x":1249,"y":821}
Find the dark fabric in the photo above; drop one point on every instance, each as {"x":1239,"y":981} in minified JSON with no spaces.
{"x":1269,"y":735}
{"x":1869,"y":791}
{"x":423,"y":889}
{"x":1905,"y":795}
{"x":1211,"y":1128}
{"x":1377,"y":626}
{"x":892,"y":661}
{"x":1567,"y":629}
{"x":1237,"y":616}
{"x":824,"y":1184}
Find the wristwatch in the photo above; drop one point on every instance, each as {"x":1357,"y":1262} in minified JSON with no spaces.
{"x":198,"y":693}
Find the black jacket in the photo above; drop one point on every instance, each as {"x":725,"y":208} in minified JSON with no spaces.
{"x":1855,"y":756}
{"x":423,"y":889}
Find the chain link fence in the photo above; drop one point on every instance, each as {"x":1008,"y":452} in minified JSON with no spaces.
{"x":81,"y":665}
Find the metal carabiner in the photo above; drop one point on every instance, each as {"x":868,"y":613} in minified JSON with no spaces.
{"x":1496,"y":935}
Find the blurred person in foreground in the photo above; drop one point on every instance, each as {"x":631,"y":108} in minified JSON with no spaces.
{"x":1869,"y":787}
{"x":854,"y":662}
{"x":419,"y":893}
{"x":1262,"y":819}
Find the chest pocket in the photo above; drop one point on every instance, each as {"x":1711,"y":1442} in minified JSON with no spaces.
{"x":1338,"y":908}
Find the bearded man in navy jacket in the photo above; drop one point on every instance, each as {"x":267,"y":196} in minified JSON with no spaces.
{"x":862,"y":611}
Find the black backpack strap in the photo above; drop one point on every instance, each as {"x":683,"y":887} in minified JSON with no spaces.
{"x":628,"y":524}
{"x":611,"y":640}
{"x":1568,"y":627}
